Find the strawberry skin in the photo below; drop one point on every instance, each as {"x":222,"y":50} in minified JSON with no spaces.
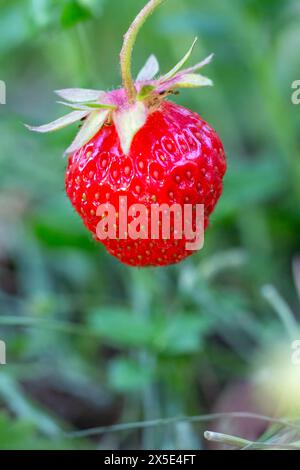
{"x":176,"y":157}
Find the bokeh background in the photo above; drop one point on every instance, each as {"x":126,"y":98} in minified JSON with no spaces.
{"x":92,"y":343}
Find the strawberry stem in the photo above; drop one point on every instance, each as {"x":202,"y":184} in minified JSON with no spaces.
{"x":129,"y":41}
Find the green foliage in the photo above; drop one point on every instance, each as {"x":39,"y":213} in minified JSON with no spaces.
{"x":22,"y":435}
{"x":73,"y":12}
{"x":126,"y":375}
{"x":157,"y":332}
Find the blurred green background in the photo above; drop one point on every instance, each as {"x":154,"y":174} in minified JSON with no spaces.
{"x":91,"y":342}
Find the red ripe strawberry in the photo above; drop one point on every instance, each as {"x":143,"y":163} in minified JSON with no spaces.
{"x":133,"y":143}
{"x":175,"y":158}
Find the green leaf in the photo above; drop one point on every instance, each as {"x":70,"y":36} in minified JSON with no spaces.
{"x":126,"y":375}
{"x":49,"y":228}
{"x":19,"y":434}
{"x":121,"y":327}
{"x":178,"y":334}
{"x":181,"y":333}
{"x":74,"y":12}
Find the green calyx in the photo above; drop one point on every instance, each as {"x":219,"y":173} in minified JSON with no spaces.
{"x":127,"y":108}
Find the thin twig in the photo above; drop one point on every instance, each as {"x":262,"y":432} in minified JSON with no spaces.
{"x":190,"y":419}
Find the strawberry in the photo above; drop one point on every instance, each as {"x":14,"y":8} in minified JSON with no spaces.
{"x":135,"y":146}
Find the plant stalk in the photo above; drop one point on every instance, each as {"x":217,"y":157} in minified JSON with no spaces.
{"x":128,"y":44}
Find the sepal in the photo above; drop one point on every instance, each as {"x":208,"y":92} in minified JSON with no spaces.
{"x":185,"y":80}
{"x":80,"y":95}
{"x":150,"y":69}
{"x":128,"y":122}
{"x":60,"y":123}
{"x":87,"y":106}
{"x":180,"y":64}
{"x":91,"y":126}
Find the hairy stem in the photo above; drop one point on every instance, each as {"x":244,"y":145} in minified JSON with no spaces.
{"x":129,"y":41}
